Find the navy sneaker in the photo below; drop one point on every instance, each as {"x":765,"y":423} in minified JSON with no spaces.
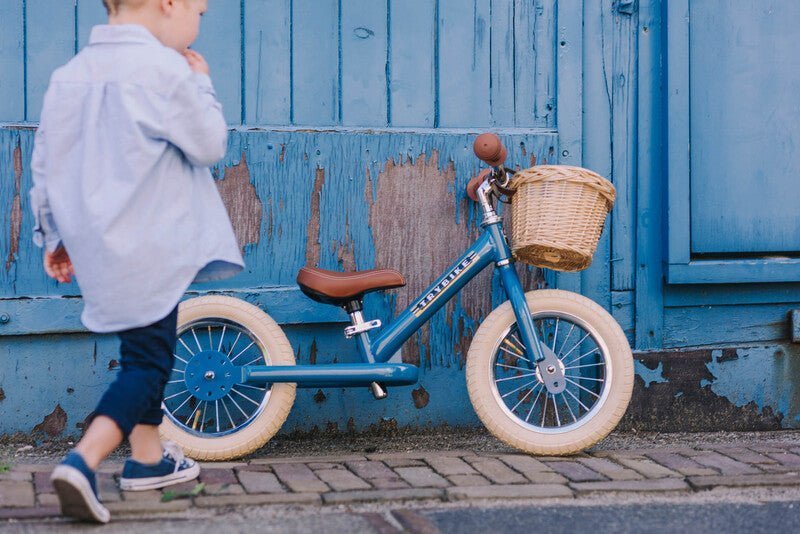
{"x":173,"y":468}
{"x":76,"y":487}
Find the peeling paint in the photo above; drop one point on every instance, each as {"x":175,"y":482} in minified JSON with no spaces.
{"x":53,"y":424}
{"x":112,"y":364}
{"x":242,"y":202}
{"x":2,"y":394}
{"x":319,"y":396}
{"x":15,"y":216}
{"x":650,"y":376}
{"x":312,"y":230}
{"x":421,"y":397}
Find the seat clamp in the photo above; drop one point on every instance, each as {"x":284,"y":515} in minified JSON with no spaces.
{"x":356,"y":329}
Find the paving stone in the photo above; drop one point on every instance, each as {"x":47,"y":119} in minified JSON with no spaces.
{"x":377,"y":474}
{"x":497,"y":471}
{"x":108,"y":488}
{"x":610,"y":469}
{"x":252,"y":500}
{"x":525,"y":464}
{"x":309,"y":459}
{"x":769,"y":447}
{"x":468,"y":480}
{"x":341,"y":479}
{"x":29,"y":513}
{"x":788,"y":479}
{"x":725,"y":465}
{"x":114,"y":468}
{"x":48,"y":499}
{"x":680,"y":463}
{"x":183,"y":487}
{"x":16,"y":493}
{"x":647,"y":467}
{"x":218,"y":476}
{"x":514,"y":491}
{"x":414,"y":522}
{"x":575,"y":471}
{"x":141,"y":496}
{"x":20,"y":476}
{"x":450,"y":465}
{"x":257,"y":468}
{"x":659,"y":484}
{"x":41,"y":481}
{"x":422,"y":477}
{"x":314,"y":466}
{"x":745,"y":455}
{"x":778,"y":468}
{"x":404,"y":462}
{"x":416,"y":455}
{"x":405,"y":494}
{"x":34,"y":468}
{"x":786,"y":458}
{"x":299,"y":478}
{"x":216,"y":466}
{"x":148,"y":507}
{"x":255,"y":482}
{"x":223,"y":489}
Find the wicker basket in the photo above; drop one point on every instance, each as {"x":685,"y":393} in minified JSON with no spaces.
{"x":558,"y":213}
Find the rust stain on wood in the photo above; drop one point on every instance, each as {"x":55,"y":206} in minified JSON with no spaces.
{"x":54,"y":423}
{"x":421,"y":397}
{"x":312,"y":230}
{"x":241,"y":200}
{"x":16,"y":210}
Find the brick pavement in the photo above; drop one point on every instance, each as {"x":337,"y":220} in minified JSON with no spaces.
{"x":25,"y":490}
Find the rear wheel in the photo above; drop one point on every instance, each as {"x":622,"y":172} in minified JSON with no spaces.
{"x":511,"y":398}
{"x":206,"y":411}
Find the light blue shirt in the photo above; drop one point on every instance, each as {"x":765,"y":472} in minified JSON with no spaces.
{"x":121,"y":178}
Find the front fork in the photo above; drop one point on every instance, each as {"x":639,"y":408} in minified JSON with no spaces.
{"x":539,"y":355}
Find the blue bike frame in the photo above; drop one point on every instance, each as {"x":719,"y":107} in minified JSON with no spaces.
{"x":491,"y":247}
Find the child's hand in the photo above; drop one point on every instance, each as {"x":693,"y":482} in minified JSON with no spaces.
{"x":196,"y":62}
{"x":58,"y":265}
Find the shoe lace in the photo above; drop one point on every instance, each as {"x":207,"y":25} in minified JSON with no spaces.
{"x":173,"y":451}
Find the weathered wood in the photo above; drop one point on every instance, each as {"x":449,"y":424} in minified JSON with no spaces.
{"x":12,"y":62}
{"x":89,"y":13}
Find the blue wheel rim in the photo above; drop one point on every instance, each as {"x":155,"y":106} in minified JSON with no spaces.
{"x":202,"y":396}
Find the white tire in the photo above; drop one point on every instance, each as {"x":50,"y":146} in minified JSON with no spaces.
{"x":568,"y":437}
{"x":275,"y":406}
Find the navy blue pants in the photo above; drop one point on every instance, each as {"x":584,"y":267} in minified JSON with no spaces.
{"x":146,"y":361}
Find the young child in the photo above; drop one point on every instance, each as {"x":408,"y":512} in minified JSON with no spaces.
{"x":124,"y":200}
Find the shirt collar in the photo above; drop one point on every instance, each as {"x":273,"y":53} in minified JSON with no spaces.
{"x":121,"y":33}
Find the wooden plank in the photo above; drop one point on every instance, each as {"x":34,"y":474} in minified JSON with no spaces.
{"x":624,"y":86}
{"x":364,"y":62}
{"x":90,"y":14}
{"x":316,"y":89}
{"x":286,"y":305}
{"x":622,"y":308}
{"x":464,"y":75}
{"x":268,"y":62}
{"x":570,"y":98}
{"x":50,"y":30}
{"x":677,"y":296}
{"x":708,"y":325}
{"x":220,"y":42}
{"x":651,"y":175}
{"x":502,"y":45}
{"x":728,"y":271}
{"x":535,"y":60}
{"x":12,"y":62}
{"x":678,"y":152}
{"x":412,"y":87}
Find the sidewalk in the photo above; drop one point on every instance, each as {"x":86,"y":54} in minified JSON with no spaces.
{"x":437,"y":476}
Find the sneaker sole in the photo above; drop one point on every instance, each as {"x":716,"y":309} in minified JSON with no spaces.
{"x":76,"y":496}
{"x":143,"y":484}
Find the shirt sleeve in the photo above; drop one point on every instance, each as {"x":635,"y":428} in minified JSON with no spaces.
{"x":45,"y":232}
{"x":195,"y":123}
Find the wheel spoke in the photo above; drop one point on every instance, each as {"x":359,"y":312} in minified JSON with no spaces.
{"x":555,"y":335}
{"x":571,"y":394}
{"x":178,"y":371}
{"x":523,"y":386}
{"x":222,"y":338}
{"x":585,"y":365}
{"x":514,"y":377}
{"x":185,"y":346}
{"x":555,"y":407}
{"x":583,"y":388}
{"x":203,"y":417}
{"x":216,"y":418}
{"x":511,"y":367}
{"x":242,"y":351}
{"x":176,"y":394}
{"x":544,"y":410}
{"x":175,"y":381}
{"x":196,"y":340}
{"x":193,"y":412}
{"x":583,"y":355}
{"x":586,"y":378}
{"x":244,"y":396}
{"x":251,"y":387}
{"x":523,"y":399}
{"x":564,"y":343}
{"x":534,"y":404}
{"x":578,"y":344}
{"x":235,"y":341}
{"x":252,"y":361}
{"x":574,"y":419}
{"x":513,"y":346}
{"x":229,"y":396}
{"x":233,"y":425}
{"x":176,"y":410}
{"x":181,"y":359}
{"x":514,"y":354}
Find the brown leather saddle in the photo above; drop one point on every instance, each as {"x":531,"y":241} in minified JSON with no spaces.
{"x":333,"y":287}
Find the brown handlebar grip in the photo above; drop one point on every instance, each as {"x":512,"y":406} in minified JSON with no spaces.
{"x":490,"y":149}
{"x":475,"y":183}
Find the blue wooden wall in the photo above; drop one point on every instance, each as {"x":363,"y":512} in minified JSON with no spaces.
{"x":351,"y":129}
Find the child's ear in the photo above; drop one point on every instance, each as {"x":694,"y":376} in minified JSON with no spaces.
{"x":167,"y":6}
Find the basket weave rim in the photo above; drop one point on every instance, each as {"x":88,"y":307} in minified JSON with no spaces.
{"x":565,"y":173}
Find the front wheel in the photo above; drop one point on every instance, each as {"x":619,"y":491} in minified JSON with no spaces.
{"x":206,"y":410}
{"x":509,"y":395}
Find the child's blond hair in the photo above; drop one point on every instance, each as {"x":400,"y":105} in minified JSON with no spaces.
{"x":112,"y":6}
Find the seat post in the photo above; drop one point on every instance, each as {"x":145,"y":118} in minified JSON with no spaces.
{"x":360,"y":329}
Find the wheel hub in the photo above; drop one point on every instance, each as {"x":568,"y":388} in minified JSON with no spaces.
{"x":210,"y":375}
